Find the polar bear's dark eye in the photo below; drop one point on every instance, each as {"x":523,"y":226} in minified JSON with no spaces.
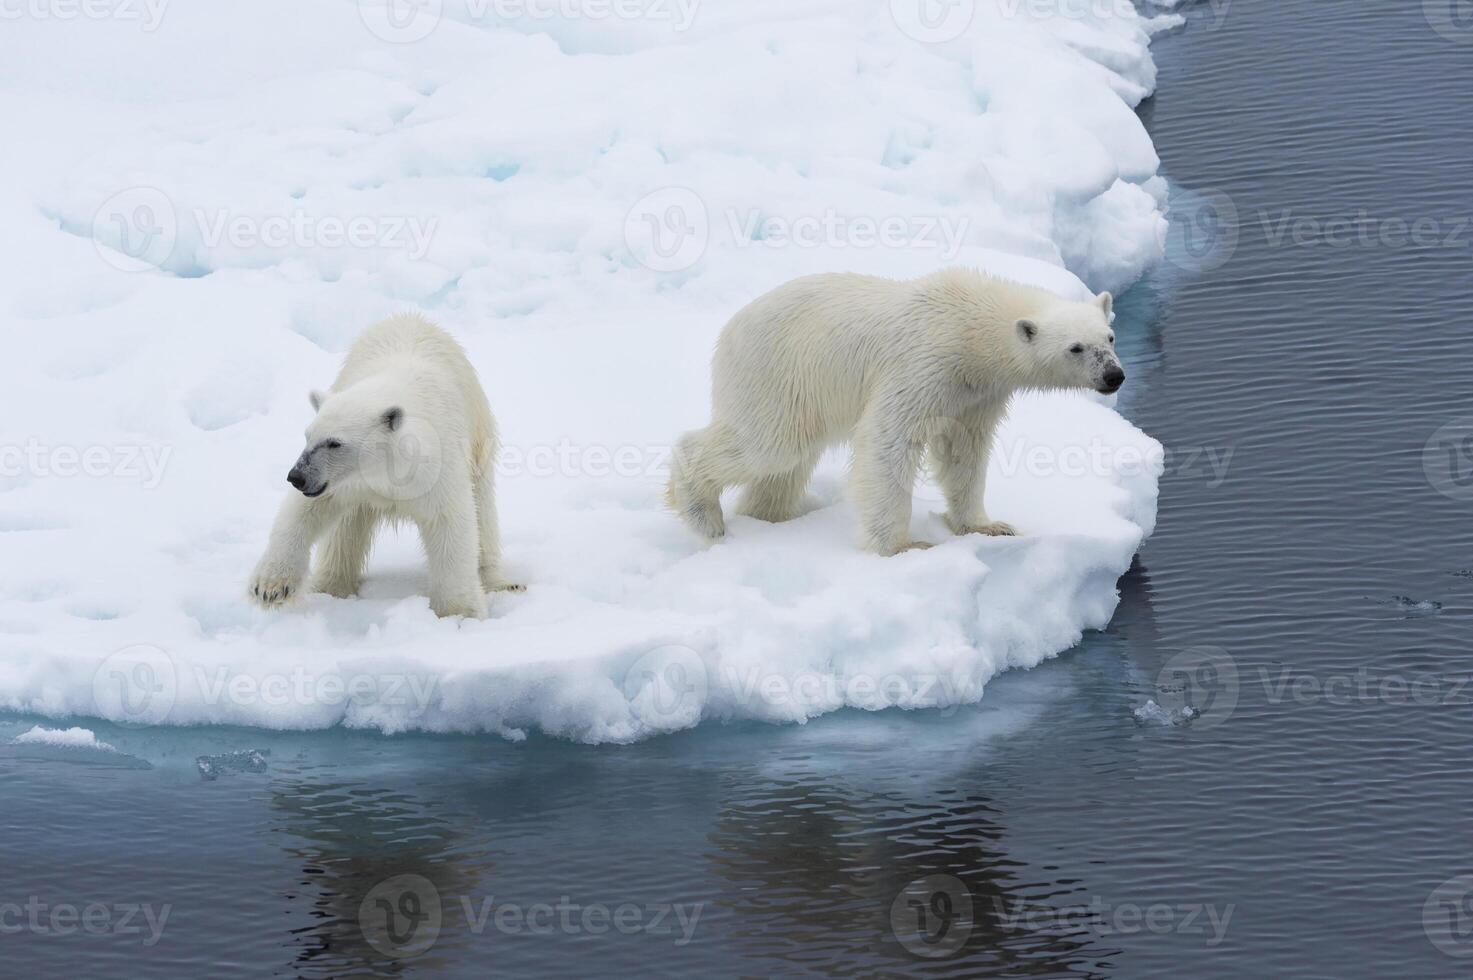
{"x":333,"y":444}
{"x":1112,"y":338}
{"x":1077,"y":349}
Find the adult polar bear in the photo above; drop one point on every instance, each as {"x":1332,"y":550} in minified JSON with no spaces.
{"x":899,"y":367}
{"x":404,"y":433}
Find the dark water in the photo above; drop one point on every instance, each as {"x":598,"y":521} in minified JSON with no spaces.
{"x":1308,"y":590}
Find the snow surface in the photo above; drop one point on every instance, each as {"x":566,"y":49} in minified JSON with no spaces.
{"x":583,"y":200}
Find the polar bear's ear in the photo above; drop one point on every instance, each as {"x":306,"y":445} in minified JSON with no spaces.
{"x":1105,"y":302}
{"x":316,"y":398}
{"x":393,"y":418}
{"x":1027,"y":329}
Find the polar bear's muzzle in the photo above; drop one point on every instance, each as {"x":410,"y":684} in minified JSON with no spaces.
{"x":1112,"y":379}
{"x":302,"y":477}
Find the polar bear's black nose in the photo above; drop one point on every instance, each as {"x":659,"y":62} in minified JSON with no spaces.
{"x":296,"y":478}
{"x":1114,"y":377}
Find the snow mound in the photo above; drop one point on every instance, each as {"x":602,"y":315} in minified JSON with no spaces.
{"x":209,"y":208}
{"x":66,"y":738}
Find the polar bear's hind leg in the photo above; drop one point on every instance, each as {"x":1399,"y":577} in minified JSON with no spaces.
{"x":704,"y":464}
{"x":777,"y":498}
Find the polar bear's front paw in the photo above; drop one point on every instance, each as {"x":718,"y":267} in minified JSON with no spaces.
{"x":473,"y":607}
{"x":996,"y":529}
{"x":272,"y":587}
{"x":492,"y":581}
{"x":337,"y":587}
{"x":900,"y":549}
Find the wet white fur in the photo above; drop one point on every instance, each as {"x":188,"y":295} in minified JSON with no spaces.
{"x":897,"y":367}
{"x":434,"y":468}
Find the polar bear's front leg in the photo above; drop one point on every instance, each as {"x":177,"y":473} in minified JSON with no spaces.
{"x":489,"y":553}
{"x":452,"y":546}
{"x":279,"y":573}
{"x":959,"y":452}
{"x":886,"y":456}
{"x":342,"y":556}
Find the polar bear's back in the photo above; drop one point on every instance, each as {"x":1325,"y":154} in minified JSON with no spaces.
{"x":815,"y":345}
{"x":439,"y":367}
{"x":402,"y":337}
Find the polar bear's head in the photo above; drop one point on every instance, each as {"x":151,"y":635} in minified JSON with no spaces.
{"x":360,"y":443}
{"x":1071,"y":345}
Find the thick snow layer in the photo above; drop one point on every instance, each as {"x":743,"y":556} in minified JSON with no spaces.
{"x":210,"y":201}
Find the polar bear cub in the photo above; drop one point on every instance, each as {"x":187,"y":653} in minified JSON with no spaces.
{"x":898,"y":367}
{"x":405,"y":433}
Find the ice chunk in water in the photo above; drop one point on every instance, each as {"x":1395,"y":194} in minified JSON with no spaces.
{"x":1152,"y":713}
{"x":1408,"y":606}
{"x":246,"y":760}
